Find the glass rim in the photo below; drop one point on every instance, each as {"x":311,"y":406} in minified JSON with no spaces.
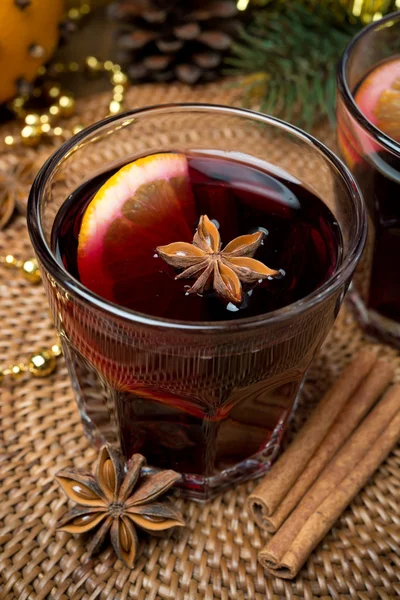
{"x":76,"y":289}
{"x":347,"y":95}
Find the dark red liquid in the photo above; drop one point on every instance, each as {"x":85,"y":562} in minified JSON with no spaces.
{"x":302,"y":239}
{"x":381,"y":189}
{"x":382,"y":194}
{"x":202,"y":412}
{"x":377,"y":171}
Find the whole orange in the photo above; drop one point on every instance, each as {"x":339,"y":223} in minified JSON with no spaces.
{"x":28,"y":35}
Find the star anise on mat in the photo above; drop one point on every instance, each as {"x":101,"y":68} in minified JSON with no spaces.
{"x":115,"y":501}
{"x":225,"y":270}
{"x":7,"y":206}
{"x":16,"y":177}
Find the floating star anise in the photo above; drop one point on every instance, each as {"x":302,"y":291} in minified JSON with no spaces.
{"x":117,"y":502}
{"x":225,"y":269}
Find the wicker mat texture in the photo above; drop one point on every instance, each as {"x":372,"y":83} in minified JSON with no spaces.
{"x":215,"y":556}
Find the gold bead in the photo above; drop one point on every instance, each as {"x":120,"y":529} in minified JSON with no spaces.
{"x":45,"y":128}
{"x":73,"y":66}
{"x":67,"y":105}
{"x":30,"y":270}
{"x":17,"y":103}
{"x":41,"y":71}
{"x":119,"y":78}
{"x":85,"y":8}
{"x":91,"y":62}
{"x":74,"y":14}
{"x":54,"y":91}
{"x":16,"y":371}
{"x":32,"y":119}
{"x":44,"y":119}
{"x":77,"y":128}
{"x":56,"y":349}
{"x":108,"y":65}
{"x":17,"y":106}
{"x":57,"y":131}
{"x":9,"y":140}
{"x":42,"y":364}
{"x":93,"y":65}
{"x":118,"y":97}
{"x":54,"y":110}
{"x":9,"y":260}
{"x":118,"y":89}
{"x":115,"y":107}
{"x":30,"y":135}
{"x":58,"y":68}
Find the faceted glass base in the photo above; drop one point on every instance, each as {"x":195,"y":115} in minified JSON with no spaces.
{"x":232,"y":450}
{"x":202,"y":488}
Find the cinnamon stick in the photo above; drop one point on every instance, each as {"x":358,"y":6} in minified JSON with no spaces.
{"x":274,"y":487}
{"x":353,"y":412}
{"x":342,"y":478}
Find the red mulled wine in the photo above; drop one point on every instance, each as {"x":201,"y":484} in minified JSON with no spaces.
{"x":379,"y":178}
{"x":301,"y":239}
{"x":377,"y":170}
{"x":186,"y":409}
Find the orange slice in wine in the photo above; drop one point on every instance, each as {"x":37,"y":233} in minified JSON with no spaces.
{"x":378,"y":97}
{"x":388,"y":111}
{"x":145,"y":204}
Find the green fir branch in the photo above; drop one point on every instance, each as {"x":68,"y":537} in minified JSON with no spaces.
{"x":293,"y":48}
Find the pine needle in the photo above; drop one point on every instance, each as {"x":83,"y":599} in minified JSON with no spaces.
{"x":294,"y":50}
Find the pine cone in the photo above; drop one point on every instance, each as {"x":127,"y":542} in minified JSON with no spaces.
{"x":162,"y":40}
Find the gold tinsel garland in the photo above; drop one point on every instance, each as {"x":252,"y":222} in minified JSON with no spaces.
{"x":369,"y":10}
{"x":363,"y":10}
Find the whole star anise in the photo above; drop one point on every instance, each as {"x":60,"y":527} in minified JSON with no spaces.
{"x":114,"y":501}
{"x":16,"y":176}
{"x":225,"y":269}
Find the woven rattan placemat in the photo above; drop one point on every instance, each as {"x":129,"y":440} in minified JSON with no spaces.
{"x":215,"y":556}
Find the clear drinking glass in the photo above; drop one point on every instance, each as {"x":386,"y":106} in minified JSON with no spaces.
{"x":374,"y":158}
{"x":210,"y":400}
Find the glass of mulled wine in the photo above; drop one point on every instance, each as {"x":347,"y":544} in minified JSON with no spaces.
{"x":368,"y":112}
{"x":194,"y":258}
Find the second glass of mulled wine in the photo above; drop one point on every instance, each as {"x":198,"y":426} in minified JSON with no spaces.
{"x":369,"y":139}
{"x":194,"y":257}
